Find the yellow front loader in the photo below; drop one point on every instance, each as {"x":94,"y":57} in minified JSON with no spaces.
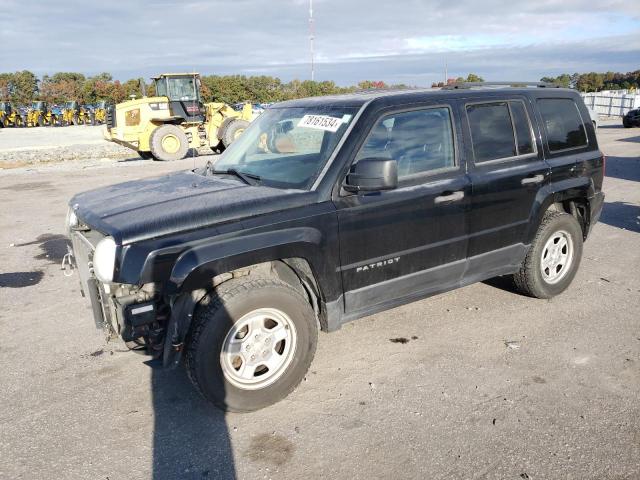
{"x":75,"y":114}
{"x":39,"y":115}
{"x":166,"y":126}
{"x":10,"y":117}
{"x":100,"y":112}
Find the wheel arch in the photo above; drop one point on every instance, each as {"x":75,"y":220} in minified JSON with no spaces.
{"x":570,"y":196}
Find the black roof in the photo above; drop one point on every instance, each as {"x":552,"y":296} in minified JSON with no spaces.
{"x":357,"y":99}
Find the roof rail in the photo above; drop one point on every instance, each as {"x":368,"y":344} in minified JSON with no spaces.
{"x":463,"y":85}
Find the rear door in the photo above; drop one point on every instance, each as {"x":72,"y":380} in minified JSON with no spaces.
{"x":507,"y":171}
{"x":405,"y":243}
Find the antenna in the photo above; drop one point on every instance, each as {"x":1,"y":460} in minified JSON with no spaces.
{"x":311,"y":39}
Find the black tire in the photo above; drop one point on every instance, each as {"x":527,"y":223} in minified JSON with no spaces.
{"x":626,"y":124}
{"x":156,"y":143}
{"x":529,"y":279}
{"x":91,"y":119}
{"x":212,"y":321}
{"x":145,"y":155}
{"x":233,"y":130}
{"x":40,"y":122}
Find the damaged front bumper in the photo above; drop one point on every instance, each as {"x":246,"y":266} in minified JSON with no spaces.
{"x":128,"y":311}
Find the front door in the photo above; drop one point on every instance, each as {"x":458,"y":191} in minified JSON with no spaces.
{"x":402,"y":244}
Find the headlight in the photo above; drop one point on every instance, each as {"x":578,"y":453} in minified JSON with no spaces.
{"x":104,"y":260}
{"x":72,"y":219}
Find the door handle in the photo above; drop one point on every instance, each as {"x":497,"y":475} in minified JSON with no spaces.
{"x":449,"y":197}
{"x":532,"y":180}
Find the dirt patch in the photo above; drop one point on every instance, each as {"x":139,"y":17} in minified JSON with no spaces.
{"x":28,"y":187}
{"x":270,"y":448}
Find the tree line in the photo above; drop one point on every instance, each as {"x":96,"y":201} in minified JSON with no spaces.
{"x":595,"y":82}
{"x":24,"y":87}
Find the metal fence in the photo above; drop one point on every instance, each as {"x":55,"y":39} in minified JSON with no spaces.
{"x":612,"y":103}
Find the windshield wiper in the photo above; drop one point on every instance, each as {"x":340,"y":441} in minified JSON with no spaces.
{"x":245,"y":177}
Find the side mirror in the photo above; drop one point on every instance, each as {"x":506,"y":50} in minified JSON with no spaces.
{"x":372,"y":175}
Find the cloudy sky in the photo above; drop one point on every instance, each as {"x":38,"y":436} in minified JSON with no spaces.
{"x":407,"y":41}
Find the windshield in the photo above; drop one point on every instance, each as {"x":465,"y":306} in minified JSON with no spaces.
{"x":288,"y":147}
{"x":183,"y":89}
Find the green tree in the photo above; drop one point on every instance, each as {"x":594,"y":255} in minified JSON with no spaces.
{"x":472,"y":77}
{"x":23,"y":87}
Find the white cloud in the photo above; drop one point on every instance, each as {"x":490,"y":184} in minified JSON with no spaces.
{"x":355,"y":39}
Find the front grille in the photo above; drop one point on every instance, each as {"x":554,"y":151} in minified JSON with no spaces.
{"x":111,"y":116}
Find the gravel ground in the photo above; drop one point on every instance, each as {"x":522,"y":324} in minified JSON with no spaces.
{"x":475,"y":383}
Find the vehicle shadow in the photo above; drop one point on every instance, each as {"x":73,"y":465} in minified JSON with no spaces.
{"x":504,"y":283}
{"x":624,"y":168}
{"x":192,"y":152}
{"x":191,"y":438}
{"x":621,"y":215}
{"x":635,"y":139}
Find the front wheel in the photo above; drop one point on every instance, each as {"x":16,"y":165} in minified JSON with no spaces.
{"x":251,"y":343}
{"x":553,"y":258}
{"x":168,"y":143}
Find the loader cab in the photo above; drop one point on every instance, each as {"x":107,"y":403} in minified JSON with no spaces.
{"x":39,"y":106}
{"x":73,"y":105}
{"x":5,"y":107}
{"x":183,"y":92}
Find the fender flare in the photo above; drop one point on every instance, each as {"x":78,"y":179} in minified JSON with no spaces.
{"x":195,"y":267}
{"x":571,"y":188}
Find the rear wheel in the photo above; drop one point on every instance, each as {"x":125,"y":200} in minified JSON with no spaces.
{"x":233,"y":130}
{"x":553,"y":258}
{"x":40,"y":122}
{"x":251,"y":344}
{"x":168,"y":143}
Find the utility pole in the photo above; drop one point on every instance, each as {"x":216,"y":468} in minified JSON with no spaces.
{"x":311,"y":39}
{"x":446,"y":74}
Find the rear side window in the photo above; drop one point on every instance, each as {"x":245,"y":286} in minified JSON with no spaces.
{"x":499,"y":130}
{"x":563,"y":123}
{"x":522,"y":127}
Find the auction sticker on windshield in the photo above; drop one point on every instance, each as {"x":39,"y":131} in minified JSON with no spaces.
{"x":321,"y":122}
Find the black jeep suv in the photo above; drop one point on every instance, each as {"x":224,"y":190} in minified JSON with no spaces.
{"x":332,"y":208}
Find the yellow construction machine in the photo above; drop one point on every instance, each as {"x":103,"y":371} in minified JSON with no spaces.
{"x":100,"y":112}
{"x":74,"y":114}
{"x":10,"y":117}
{"x":39,"y":115}
{"x":165,"y":126}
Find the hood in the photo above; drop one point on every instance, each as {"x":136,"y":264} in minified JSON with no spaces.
{"x":150,"y":208}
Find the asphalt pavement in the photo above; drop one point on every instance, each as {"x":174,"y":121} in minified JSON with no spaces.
{"x":476,"y":383}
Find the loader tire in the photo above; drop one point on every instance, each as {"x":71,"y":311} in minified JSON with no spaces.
{"x":233,"y":130}
{"x":168,"y":143}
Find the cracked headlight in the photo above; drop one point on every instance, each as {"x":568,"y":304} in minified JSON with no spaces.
{"x":104,"y":260}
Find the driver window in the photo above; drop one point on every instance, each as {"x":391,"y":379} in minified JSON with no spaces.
{"x":420,"y":141}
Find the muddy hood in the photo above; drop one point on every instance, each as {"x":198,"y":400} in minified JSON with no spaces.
{"x":151,"y":208}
